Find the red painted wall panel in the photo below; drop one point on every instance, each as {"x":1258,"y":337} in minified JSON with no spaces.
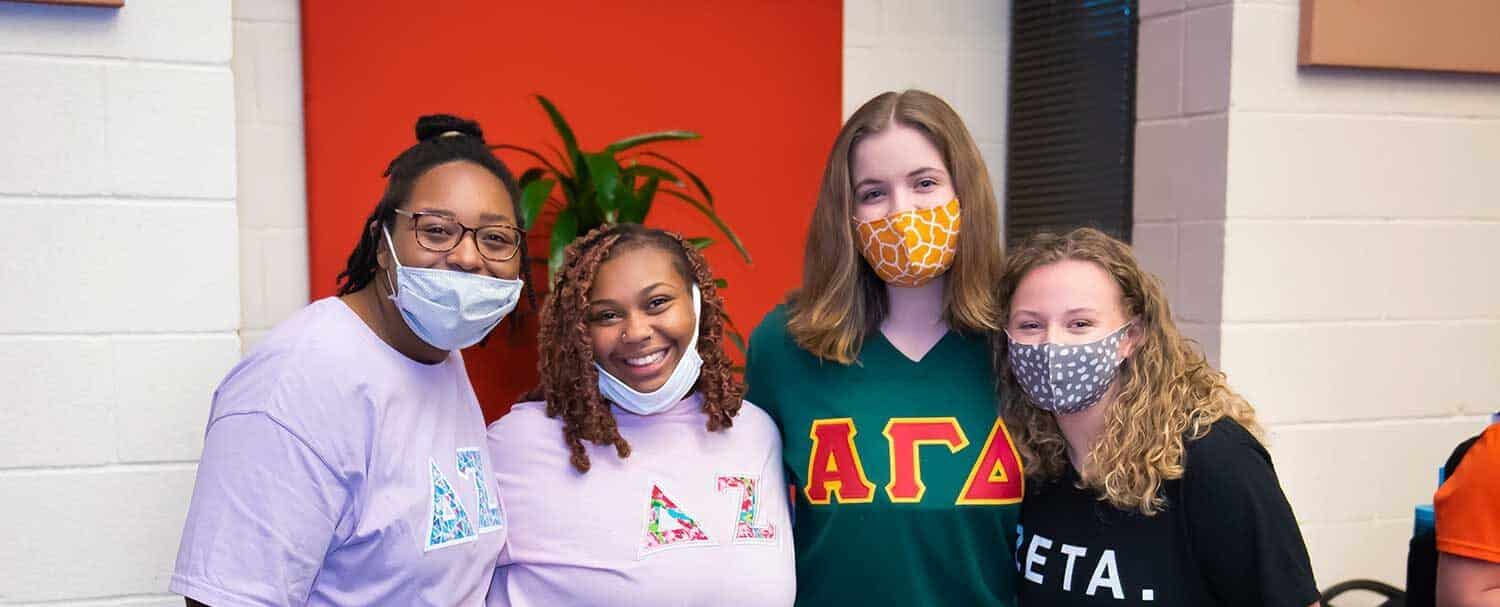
{"x":759,"y":80}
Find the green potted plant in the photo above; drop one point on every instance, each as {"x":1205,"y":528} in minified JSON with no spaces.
{"x":580,"y":190}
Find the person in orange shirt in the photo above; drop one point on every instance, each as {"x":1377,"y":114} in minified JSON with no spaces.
{"x":1468,"y":528}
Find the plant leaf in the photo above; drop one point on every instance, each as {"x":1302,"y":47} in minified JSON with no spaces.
{"x":563,"y":130}
{"x":702,"y":187}
{"x":714,"y":217}
{"x":736,"y":339}
{"x":646,"y":170}
{"x":645,"y":138}
{"x":533,"y":197}
{"x":640,"y":202}
{"x":647,"y":193}
{"x":563,"y":160}
{"x":700,"y":244}
{"x":732,"y":333}
{"x":625,"y":203}
{"x":604,"y":172}
{"x":531,"y":174}
{"x":564,"y":230}
{"x":529,"y":152}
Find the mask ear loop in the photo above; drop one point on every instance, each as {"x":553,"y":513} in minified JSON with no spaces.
{"x":391,"y":284}
{"x":1124,"y":332}
{"x":697,"y":314}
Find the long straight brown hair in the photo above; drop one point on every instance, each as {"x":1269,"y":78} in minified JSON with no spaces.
{"x":841,"y":299}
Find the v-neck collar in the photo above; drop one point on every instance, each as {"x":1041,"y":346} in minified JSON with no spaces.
{"x":900,"y":356}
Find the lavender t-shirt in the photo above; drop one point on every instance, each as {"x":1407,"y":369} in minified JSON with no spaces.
{"x":337,"y":471}
{"x":692,"y":517}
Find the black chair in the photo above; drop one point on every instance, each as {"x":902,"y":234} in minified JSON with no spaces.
{"x":1394,"y":597}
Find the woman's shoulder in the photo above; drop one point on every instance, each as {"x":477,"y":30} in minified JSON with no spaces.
{"x":755,"y":420}
{"x":771,"y":331}
{"x":287,"y":362}
{"x":523,"y":419}
{"x":315,"y":322}
{"x":1227,"y":438}
{"x":309,"y":354}
{"x":772,"y":342}
{"x":325,"y":339}
{"x":301,"y":378}
{"x":525,"y":437}
{"x":1228,"y":456}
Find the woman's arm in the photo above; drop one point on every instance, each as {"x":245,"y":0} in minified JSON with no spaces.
{"x":1246,"y":537}
{"x":1466,"y":582}
{"x":264,"y":512}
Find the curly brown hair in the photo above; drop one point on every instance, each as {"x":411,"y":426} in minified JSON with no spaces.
{"x":569,"y":381}
{"x":1168,"y":394}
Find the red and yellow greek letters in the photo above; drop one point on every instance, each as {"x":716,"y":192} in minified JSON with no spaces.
{"x":996,"y":478}
{"x":905,"y":435}
{"x":833,"y":466}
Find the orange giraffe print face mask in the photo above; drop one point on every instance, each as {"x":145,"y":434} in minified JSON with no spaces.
{"x":912,"y":248}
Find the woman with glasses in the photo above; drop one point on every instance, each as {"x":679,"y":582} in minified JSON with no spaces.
{"x":344,"y":461}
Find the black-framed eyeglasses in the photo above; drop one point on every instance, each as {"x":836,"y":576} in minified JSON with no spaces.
{"x":441,"y":234}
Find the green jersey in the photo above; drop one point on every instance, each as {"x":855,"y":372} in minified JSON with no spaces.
{"x":907,"y":486}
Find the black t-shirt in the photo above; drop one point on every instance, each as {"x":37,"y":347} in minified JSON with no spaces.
{"x":1226,"y":537}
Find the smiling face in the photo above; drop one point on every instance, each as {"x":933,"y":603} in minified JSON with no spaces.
{"x":1068,"y":302}
{"x":462,"y":191}
{"x":897,"y":170}
{"x":640,"y":316}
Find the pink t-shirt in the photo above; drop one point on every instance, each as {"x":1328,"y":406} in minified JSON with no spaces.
{"x":692,"y":517}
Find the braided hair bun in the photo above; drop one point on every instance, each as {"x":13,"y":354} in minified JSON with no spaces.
{"x":433,"y":126}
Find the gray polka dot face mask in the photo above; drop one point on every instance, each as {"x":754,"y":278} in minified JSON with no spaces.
{"x":1066,"y":379}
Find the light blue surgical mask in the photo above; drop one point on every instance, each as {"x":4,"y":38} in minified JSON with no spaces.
{"x":450,"y":310}
{"x":683,"y":378}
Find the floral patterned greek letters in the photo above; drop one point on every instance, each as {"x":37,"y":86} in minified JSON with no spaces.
{"x":745,"y":529}
{"x":448,"y":522}
{"x":471,"y":467}
{"x":669,"y":526}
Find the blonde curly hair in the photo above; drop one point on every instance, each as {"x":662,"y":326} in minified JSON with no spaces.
{"x":1167,"y":395}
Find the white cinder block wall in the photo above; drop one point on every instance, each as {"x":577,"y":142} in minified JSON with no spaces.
{"x":1182,"y":99}
{"x":272,"y":168}
{"x":1322,"y":232}
{"x":956,"y":49}
{"x":1360,"y":310}
{"x":1330,"y":233}
{"x":121,"y":299}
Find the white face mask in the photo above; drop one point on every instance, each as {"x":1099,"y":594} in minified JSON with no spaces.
{"x":683,"y":378}
{"x":447,"y":309}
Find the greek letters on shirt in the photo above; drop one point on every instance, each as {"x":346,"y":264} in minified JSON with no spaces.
{"x":671,"y":525}
{"x":448,"y":522}
{"x":836,"y":472}
{"x":1089,"y":571}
